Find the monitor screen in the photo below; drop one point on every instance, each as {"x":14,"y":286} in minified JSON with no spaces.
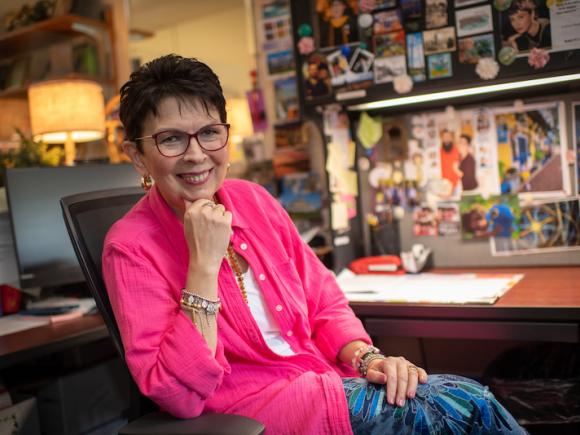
{"x":44,"y":253}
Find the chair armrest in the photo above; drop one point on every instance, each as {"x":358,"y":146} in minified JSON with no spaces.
{"x":161,"y":423}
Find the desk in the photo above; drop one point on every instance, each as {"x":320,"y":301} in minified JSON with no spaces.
{"x":32,"y":343}
{"x":543,"y":306}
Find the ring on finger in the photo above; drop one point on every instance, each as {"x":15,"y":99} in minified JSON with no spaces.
{"x":412,"y":368}
{"x":208,"y":204}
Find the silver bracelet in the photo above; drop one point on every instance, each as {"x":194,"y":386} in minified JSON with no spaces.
{"x":191,"y":301}
{"x":366,"y":360}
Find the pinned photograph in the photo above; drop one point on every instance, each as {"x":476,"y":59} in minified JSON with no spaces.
{"x":280,"y":62}
{"x":386,"y":22}
{"x":337,"y":21}
{"x":474,"y":20}
{"x":286,"y":100}
{"x":276,"y":33}
{"x":316,"y":76}
{"x":462,"y":3}
{"x":531,"y":147}
{"x":390,"y":44}
{"x":387,"y":68}
{"x":424,"y":221}
{"x":436,"y":14}
{"x":361,"y":63}
{"x":472,"y":48}
{"x":448,"y":222}
{"x":542,"y":227}
{"x":412,"y":14}
{"x":440,"y":40}
{"x":353,"y":67}
{"x":440,"y":66}
{"x":416,"y":57}
{"x":495,"y":216}
{"x":525,"y":24}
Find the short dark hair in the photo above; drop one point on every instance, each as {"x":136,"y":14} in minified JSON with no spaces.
{"x":521,"y":5}
{"x":467,"y":138}
{"x":168,"y":76}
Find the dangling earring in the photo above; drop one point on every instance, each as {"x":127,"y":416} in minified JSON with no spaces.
{"x":146,"y":182}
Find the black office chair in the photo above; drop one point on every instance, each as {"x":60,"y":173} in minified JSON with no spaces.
{"x":88,"y":217}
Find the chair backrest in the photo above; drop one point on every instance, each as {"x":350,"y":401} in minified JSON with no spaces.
{"x":88,"y":217}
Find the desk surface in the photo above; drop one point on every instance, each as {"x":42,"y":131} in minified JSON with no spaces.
{"x":31,"y":343}
{"x":547,"y":294}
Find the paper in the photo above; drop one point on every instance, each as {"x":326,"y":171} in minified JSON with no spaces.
{"x":15,"y":323}
{"x":347,"y":182}
{"x":464,"y":288}
{"x":565,"y":28}
{"x":369,"y":130}
{"x":339,"y":213}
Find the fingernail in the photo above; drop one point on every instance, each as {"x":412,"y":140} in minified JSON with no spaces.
{"x":401,"y":402}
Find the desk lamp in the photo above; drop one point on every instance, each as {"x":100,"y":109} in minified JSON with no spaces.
{"x":241,"y":126}
{"x":67,"y":111}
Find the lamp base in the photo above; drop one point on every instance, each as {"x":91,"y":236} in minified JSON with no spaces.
{"x":69,"y":151}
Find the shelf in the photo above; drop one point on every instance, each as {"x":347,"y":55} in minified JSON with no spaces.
{"x":22,"y":90}
{"x":47,"y":32}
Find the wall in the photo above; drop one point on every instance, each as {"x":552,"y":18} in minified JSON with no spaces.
{"x":219,"y":39}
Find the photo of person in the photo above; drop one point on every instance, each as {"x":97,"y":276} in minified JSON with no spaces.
{"x":337,"y":21}
{"x":526,"y":25}
{"x":467,"y":164}
{"x":495,"y":216}
{"x":316,"y":76}
{"x":450,"y":160}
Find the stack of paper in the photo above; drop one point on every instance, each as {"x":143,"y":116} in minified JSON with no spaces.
{"x":463,"y":288}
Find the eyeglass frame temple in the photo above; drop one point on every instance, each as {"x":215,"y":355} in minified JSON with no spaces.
{"x":190,"y":135}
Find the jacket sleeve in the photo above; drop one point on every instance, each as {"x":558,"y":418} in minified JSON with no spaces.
{"x":332,"y":321}
{"x":166,"y":354}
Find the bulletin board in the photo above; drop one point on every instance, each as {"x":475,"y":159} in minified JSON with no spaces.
{"x":360,"y":51}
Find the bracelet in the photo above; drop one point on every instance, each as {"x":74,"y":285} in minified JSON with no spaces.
{"x":361,"y":353}
{"x":191,"y":301}
{"x":366,"y":361}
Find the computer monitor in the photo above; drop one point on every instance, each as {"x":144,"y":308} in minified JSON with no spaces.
{"x":44,"y":253}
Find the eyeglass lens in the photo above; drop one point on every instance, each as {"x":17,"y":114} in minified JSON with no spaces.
{"x":175,"y":142}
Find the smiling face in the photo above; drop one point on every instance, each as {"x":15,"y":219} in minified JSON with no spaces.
{"x":194,"y":175}
{"x":521,"y":21}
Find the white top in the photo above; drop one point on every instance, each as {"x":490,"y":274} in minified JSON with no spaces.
{"x":266,"y":323}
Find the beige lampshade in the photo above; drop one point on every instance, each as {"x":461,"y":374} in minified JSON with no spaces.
{"x":67,"y":107}
{"x":239,"y":118}
{"x":13,"y":115}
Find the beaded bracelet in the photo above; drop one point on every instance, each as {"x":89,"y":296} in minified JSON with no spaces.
{"x":192,"y":301}
{"x":361,"y":353}
{"x":366,"y":361}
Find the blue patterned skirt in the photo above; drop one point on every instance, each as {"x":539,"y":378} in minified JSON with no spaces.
{"x":446,"y":404}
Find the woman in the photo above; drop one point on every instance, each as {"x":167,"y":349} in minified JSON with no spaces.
{"x":530,"y":30}
{"x":223,"y":308}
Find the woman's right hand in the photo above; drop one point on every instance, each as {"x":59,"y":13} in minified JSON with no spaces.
{"x":207,"y":227}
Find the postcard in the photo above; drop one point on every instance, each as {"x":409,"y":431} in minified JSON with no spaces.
{"x":390,"y":44}
{"x":436,"y":14}
{"x":387,"y":68}
{"x":440,"y":40}
{"x":472,"y":48}
{"x":440,"y":66}
{"x":386,"y":22}
{"x":416,"y":56}
{"x":474,"y":20}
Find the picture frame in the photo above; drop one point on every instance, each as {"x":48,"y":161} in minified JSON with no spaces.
{"x":473,"y":21}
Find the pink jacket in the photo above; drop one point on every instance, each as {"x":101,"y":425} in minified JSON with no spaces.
{"x":145,"y":264}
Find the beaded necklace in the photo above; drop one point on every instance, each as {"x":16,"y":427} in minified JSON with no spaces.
{"x":238,"y":271}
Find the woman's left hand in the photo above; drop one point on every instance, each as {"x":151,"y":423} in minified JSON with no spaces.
{"x":400,"y":376}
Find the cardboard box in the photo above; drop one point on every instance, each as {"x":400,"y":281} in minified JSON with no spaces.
{"x":20,"y":419}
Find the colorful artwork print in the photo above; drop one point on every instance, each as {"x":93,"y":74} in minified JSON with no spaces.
{"x":386,"y":22}
{"x":286,"y":100}
{"x":473,"y":48}
{"x":276,"y":27}
{"x":474,"y":20}
{"x":532,"y":150}
{"x":525,"y":24}
{"x":280,"y":62}
{"x":436,"y":14}
{"x":391,"y":44}
{"x":416,"y":57}
{"x":440,"y":66}
{"x":439,"y":41}
{"x":543,"y":227}
{"x":337,"y":22}
{"x":495,"y":216}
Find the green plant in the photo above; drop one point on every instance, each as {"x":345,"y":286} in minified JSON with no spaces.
{"x":30,"y":153}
